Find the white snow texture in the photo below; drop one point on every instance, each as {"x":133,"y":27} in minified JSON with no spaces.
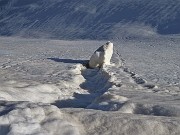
{"x":56,"y":84}
{"x":47,"y":90}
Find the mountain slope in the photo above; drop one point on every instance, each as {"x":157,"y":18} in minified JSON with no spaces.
{"x":102,"y":19}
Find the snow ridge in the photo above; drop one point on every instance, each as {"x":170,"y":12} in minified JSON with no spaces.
{"x":100,"y":91}
{"x":44,"y":91}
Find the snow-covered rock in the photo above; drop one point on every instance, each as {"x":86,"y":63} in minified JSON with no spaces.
{"x":102,"y":56}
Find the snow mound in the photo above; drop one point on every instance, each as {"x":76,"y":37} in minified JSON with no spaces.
{"x":47,"y":93}
{"x":113,"y":123}
{"x":27,"y":118}
{"x":150,"y":109}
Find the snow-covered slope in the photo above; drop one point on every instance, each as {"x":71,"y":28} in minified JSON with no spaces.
{"x":102,"y":19}
{"x":46,"y":89}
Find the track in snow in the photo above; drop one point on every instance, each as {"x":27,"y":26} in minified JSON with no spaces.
{"x":101,"y":90}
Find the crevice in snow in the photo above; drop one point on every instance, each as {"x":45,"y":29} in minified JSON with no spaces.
{"x":97,"y":82}
{"x":96,"y":90}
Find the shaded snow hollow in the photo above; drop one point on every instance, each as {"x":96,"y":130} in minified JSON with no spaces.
{"x":46,"y":92}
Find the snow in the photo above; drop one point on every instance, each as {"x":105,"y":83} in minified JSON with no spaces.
{"x":27,"y":118}
{"x":46,"y":88}
{"x":105,"y":19}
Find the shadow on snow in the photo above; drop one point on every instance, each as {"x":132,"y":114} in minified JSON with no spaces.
{"x":84,"y":62}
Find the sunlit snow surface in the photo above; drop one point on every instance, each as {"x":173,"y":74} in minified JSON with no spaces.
{"x":46,"y":89}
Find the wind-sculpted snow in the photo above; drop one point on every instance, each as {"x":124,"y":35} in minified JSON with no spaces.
{"x":86,"y":19}
{"x":26,"y":118}
{"x":47,"y":88}
{"x":113,"y":123}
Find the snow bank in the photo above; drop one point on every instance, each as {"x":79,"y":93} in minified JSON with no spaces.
{"x":27,"y":118}
{"x":45,"y":93}
{"x":113,"y":123}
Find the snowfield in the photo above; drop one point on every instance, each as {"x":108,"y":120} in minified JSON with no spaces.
{"x":102,"y":19}
{"x":46,"y":88}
